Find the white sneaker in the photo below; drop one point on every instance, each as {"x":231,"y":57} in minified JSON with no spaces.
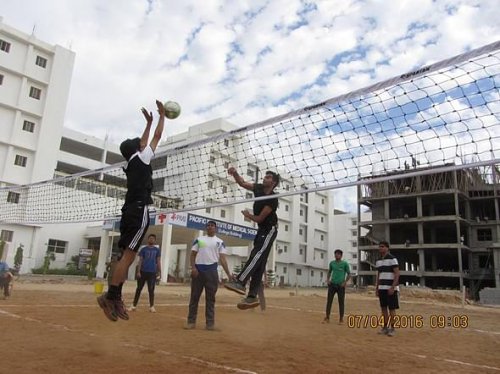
{"x":152,"y":309}
{"x":391,"y":332}
{"x":132,"y":308}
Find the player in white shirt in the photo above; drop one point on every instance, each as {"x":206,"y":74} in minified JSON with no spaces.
{"x":206,"y":253}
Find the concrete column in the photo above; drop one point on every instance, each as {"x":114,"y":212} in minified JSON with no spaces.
{"x":104,"y":253}
{"x":166,"y":253}
{"x":421,"y":266}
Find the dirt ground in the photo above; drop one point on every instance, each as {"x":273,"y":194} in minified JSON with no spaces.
{"x":58,"y":328}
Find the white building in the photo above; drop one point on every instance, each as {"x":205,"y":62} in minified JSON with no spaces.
{"x":347,"y":232}
{"x":34,"y":85}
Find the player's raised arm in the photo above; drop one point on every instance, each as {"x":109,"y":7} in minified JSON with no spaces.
{"x":159,"y":127}
{"x":145,"y":135}
{"x":247,"y":185}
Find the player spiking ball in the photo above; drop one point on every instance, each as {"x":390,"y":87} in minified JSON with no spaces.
{"x":172,"y":109}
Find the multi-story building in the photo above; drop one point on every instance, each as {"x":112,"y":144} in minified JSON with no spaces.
{"x":34,"y":84}
{"x":346,"y":235}
{"x":443,"y":227}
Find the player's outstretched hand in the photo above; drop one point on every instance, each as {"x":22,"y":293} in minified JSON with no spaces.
{"x":231,"y":170}
{"x":161,"y":108}
{"x":147,"y":115}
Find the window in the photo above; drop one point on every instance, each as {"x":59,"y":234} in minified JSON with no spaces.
{"x":484,"y":235}
{"x":4,"y":46}
{"x":322,"y":255}
{"x":354,"y":255}
{"x":299,"y":271}
{"x":222,"y":213}
{"x":322,"y":237}
{"x":312,"y":273}
{"x":208,"y":210}
{"x":250,"y":173}
{"x":321,"y":275}
{"x":285,"y":248}
{"x":322,"y":219}
{"x":56,"y":246}
{"x":354,"y":267}
{"x":210,"y":184}
{"x":354,"y":222}
{"x":20,"y":160}
{"x":226,"y":142}
{"x":212,"y":160}
{"x":286,"y":208}
{"x":355,"y":233}
{"x":7,"y":235}
{"x":1,"y":79}
{"x":301,"y":231}
{"x":284,"y":269}
{"x":354,"y":244}
{"x":13,"y":197}
{"x":28,"y":126}
{"x":301,"y":213}
{"x":301,"y":251}
{"x":35,"y":93}
{"x":40,"y":61}
{"x":322,"y":201}
{"x":248,"y":195}
{"x":286,"y":227}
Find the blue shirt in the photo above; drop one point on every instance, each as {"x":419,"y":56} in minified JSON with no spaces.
{"x":4,"y":268}
{"x":150,"y":257}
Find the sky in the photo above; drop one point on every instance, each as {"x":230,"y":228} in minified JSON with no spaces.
{"x":245,"y":61}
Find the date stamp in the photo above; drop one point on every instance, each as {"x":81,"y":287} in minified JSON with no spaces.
{"x":409,"y":321}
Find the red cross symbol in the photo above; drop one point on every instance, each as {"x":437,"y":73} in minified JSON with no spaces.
{"x":162,"y":217}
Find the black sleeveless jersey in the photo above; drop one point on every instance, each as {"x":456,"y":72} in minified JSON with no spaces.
{"x":139,"y":181}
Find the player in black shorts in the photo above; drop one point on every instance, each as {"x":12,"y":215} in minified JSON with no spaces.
{"x":135,"y":214}
{"x":264,"y":214}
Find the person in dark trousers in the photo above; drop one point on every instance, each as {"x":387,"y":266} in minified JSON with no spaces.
{"x":148,"y":270}
{"x":387,"y":287}
{"x":338,"y":276}
{"x":264,"y":214}
{"x":206,"y":253}
{"x":135,"y":214}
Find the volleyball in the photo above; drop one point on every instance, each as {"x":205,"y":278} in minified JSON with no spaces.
{"x":172,"y":109}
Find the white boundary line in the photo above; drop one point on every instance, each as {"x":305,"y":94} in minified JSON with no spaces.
{"x":194,"y":360}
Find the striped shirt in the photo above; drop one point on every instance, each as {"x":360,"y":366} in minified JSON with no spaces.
{"x":385,"y":268}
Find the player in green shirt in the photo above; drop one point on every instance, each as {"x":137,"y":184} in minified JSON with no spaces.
{"x":338,"y":275}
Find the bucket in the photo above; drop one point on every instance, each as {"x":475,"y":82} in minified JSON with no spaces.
{"x":98,"y":287}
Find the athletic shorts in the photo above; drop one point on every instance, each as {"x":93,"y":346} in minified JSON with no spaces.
{"x":133,"y":225}
{"x":386,"y":300}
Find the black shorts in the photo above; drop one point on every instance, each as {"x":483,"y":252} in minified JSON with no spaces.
{"x":386,"y":300}
{"x":133,"y":225}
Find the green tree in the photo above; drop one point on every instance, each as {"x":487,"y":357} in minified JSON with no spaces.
{"x":49,"y":257}
{"x":18,"y":258}
{"x":92,"y":264}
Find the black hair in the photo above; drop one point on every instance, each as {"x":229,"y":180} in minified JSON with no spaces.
{"x":152,"y":235}
{"x":338,"y":251}
{"x":276,"y":177}
{"x":384,"y":243}
{"x":129,"y":147}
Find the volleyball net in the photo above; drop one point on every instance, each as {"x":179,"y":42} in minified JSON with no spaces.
{"x":439,"y":116}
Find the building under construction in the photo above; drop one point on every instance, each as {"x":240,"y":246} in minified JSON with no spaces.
{"x":442,"y":226}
